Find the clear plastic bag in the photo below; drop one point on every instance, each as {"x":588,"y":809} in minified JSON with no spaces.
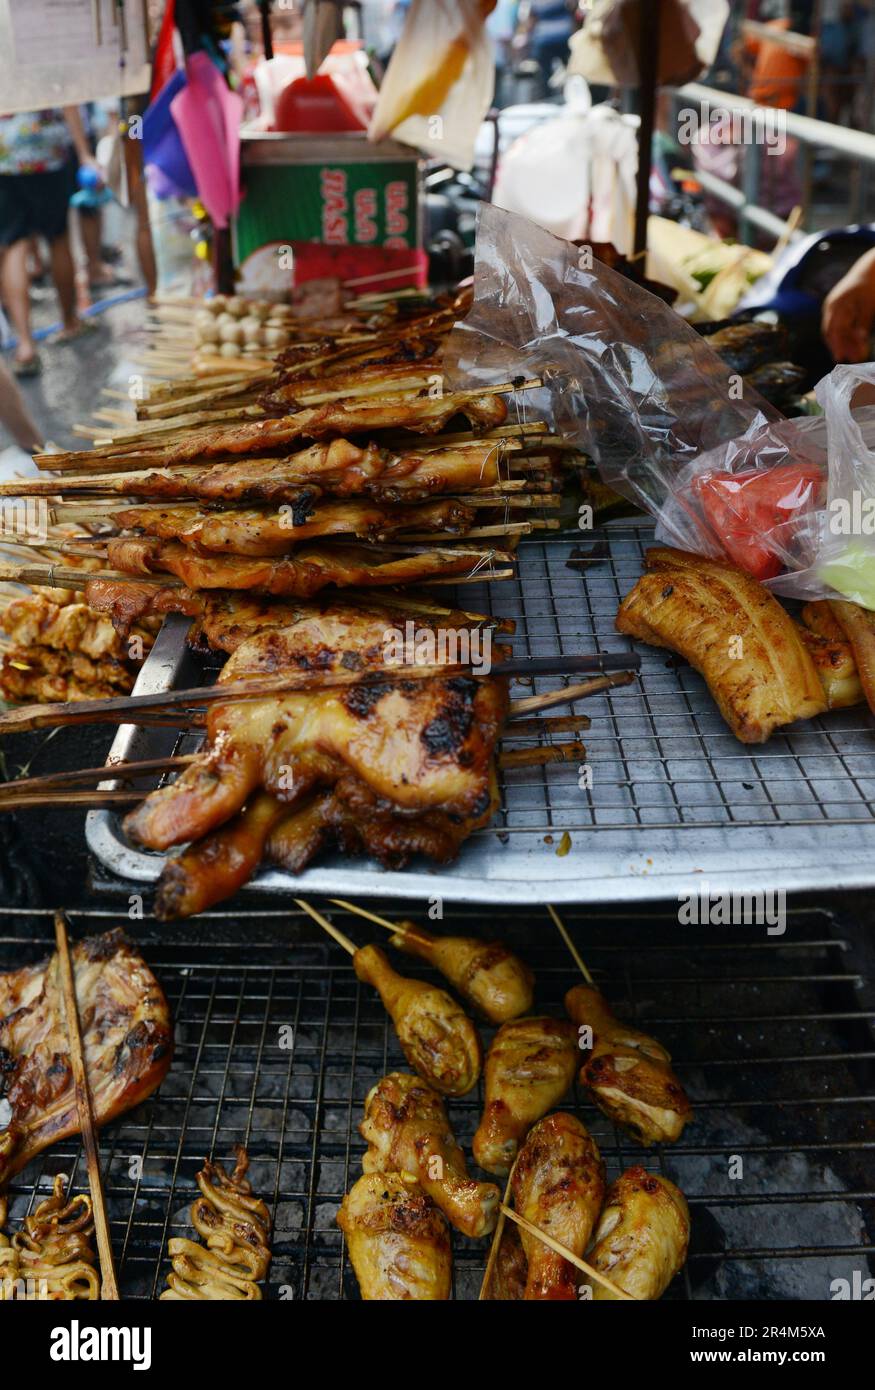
{"x":669,"y":425}
{"x":439,"y":83}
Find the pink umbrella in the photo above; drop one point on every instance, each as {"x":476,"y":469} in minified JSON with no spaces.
{"x":207,"y":115}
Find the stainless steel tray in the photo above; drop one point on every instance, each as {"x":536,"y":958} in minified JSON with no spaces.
{"x":675,"y":803}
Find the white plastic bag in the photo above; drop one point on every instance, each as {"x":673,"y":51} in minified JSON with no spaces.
{"x":439,"y":84}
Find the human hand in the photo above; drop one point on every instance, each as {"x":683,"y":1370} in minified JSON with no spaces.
{"x":848,"y":313}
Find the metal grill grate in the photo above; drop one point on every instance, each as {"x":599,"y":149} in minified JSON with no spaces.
{"x":672,"y":791}
{"x":772,"y":1037}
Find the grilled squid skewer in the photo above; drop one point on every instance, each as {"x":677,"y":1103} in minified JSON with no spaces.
{"x":628,"y":1074}
{"x":235,"y":1228}
{"x":52,"y":1256}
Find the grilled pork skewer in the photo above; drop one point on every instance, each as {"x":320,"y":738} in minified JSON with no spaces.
{"x":628,"y":1074}
{"x":558,"y":1185}
{"x":398,"y":1241}
{"x":529,"y":1067}
{"x":642,"y":1236}
{"x":407,"y":1130}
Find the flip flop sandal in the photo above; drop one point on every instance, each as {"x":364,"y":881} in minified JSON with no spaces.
{"x":32,"y":367}
{"x":85,"y":327}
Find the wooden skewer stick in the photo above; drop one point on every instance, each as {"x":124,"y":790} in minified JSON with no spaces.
{"x":567,"y":1254}
{"x":575,"y":954}
{"x":332,"y":930}
{"x":109,"y":1288}
{"x":88,"y":774}
{"x":94,"y":800}
{"x":570,"y":693}
{"x":541,"y":757}
{"x":496,"y":1238}
{"x":396,"y":928}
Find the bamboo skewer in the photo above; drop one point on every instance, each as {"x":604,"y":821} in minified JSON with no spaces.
{"x":570,"y":693}
{"x":332,"y":930}
{"x":109,"y":1286}
{"x":396,"y":928}
{"x":575,"y":954}
{"x":496,"y":1238}
{"x":567,"y":1254}
{"x":30,"y":717}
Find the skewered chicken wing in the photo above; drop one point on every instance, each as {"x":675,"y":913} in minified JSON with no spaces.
{"x":439,"y":1041}
{"x":734,"y":632}
{"x":301,"y":574}
{"x":559,"y":1186}
{"x":398,"y":1241}
{"x":642,"y":1237}
{"x":628,"y":1073}
{"x":265,"y":533}
{"x":485,"y":973}
{"x":349,"y":415}
{"x":408,"y":1131}
{"x":340,"y":468}
{"x":529,"y":1067}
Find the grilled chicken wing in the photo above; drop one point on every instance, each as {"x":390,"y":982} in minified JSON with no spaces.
{"x":407,"y":1129}
{"x":398,"y":1241}
{"x":559,"y":1186}
{"x":642,"y":1237}
{"x":485,"y":973}
{"x":734,"y":632}
{"x":628,"y":1073}
{"x":239,"y":531}
{"x":439,"y":1041}
{"x":529,"y":1067}
{"x":349,"y":415}
{"x":126,"y":1034}
{"x":300,"y":575}
{"x":341,"y":469}
{"x":427,"y":747}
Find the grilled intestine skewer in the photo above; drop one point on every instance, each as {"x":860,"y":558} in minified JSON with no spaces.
{"x":51,"y":1257}
{"x":235,"y":1228}
{"x":438,"y":1039}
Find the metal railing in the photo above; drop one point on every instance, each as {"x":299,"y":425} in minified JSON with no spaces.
{"x":856,"y":146}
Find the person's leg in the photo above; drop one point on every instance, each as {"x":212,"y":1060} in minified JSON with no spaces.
{"x":64,"y":276}
{"x":15,"y":292}
{"x":15,"y":416}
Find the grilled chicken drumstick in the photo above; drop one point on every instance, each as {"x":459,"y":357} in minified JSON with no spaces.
{"x":529,"y":1067}
{"x":398,"y":1241}
{"x":642,"y":1236}
{"x":438,"y":1039}
{"x":628,"y":1074}
{"x":485,"y":973}
{"x":408,"y":1131}
{"x":558,"y":1185}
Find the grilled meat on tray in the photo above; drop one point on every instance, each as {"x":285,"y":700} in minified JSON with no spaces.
{"x":734,"y":632}
{"x":126,"y":1033}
